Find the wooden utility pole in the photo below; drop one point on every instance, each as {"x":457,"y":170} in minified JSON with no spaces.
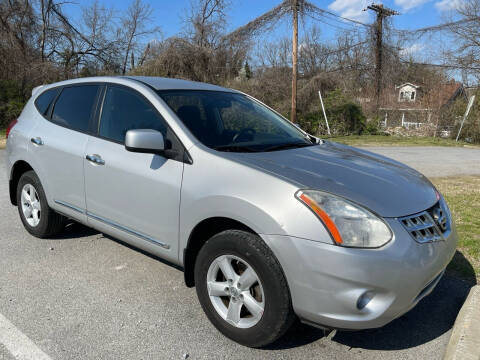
{"x":293,"y":115}
{"x":382,"y":13}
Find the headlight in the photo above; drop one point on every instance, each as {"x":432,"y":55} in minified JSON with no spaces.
{"x":349,"y":224}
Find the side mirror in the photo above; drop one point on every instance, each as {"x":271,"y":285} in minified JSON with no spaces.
{"x":145,"y":141}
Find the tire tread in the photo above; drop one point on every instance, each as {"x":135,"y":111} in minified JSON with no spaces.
{"x":54,"y":221}
{"x":285,"y":315}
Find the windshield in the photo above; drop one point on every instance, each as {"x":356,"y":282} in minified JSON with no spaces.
{"x":233,"y":122}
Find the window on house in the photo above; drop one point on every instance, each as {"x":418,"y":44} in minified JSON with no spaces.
{"x":407,"y":96}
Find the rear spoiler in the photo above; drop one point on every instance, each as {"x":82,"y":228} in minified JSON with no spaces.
{"x":35,"y":90}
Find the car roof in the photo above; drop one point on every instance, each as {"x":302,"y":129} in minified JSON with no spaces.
{"x":161,"y":83}
{"x":154,"y":82}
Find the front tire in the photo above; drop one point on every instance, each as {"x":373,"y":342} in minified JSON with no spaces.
{"x":37,"y":217}
{"x":242,"y":288}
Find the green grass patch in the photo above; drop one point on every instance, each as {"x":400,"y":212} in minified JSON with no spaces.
{"x":3,"y":141}
{"x":383,"y":140}
{"x":463,"y":197}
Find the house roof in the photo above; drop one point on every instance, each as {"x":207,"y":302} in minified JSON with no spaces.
{"x":448,"y":92}
{"x":407,"y":84}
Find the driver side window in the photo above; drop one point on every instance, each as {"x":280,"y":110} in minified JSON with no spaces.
{"x":124,"y":110}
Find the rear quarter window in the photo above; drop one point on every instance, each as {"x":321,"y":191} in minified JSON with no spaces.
{"x":42,"y":103}
{"x":75,"y":106}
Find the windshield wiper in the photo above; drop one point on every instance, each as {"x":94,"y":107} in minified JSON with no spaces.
{"x":287,"y":146}
{"x":234,"y":148}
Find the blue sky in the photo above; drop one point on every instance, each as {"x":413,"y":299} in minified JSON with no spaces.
{"x":168,"y":14}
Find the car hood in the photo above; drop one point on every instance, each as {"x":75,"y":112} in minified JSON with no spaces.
{"x":383,"y":185}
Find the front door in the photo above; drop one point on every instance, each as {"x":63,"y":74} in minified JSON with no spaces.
{"x":134,"y":196}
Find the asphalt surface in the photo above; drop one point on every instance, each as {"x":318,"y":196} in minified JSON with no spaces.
{"x":86,"y":296}
{"x":435,"y":161}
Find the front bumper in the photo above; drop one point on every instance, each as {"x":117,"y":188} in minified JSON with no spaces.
{"x":327,"y":282}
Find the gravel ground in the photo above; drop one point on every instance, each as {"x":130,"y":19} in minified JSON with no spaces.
{"x":86,"y":296}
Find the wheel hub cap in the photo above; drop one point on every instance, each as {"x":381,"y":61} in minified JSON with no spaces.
{"x":30,"y":203}
{"x":235,"y":291}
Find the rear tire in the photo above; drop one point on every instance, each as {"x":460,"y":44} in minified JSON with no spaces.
{"x":244,"y":252}
{"x":37,"y":217}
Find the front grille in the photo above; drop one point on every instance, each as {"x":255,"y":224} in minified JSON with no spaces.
{"x":429,"y":225}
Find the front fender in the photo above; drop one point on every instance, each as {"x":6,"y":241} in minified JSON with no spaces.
{"x":229,"y":207}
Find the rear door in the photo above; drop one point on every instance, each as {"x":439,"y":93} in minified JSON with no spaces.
{"x":58,"y":145}
{"x":133,"y":196}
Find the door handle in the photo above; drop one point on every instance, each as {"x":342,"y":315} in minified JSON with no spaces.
{"x":37,"y":141}
{"x":96,"y":159}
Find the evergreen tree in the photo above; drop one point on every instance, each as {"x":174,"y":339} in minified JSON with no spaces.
{"x":248,"y":71}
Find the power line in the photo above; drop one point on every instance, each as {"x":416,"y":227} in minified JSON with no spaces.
{"x":322,"y":12}
{"x":346,"y":48}
{"x":437,"y":27}
{"x":327,"y":23}
{"x":445,"y":66}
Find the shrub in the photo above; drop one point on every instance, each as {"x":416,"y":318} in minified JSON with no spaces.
{"x":344,"y":117}
{"x":312,"y":123}
{"x":11,"y":102}
{"x":372,"y":127}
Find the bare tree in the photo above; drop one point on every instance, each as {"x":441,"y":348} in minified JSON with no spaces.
{"x":313,"y":52}
{"x":206,"y":21}
{"x":135,"y":25}
{"x":275,"y":54}
{"x":466,"y":34}
{"x":202,"y":52}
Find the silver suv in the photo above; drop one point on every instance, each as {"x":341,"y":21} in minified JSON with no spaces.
{"x":268,"y":222}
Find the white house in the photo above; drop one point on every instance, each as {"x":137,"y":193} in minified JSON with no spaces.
{"x":407,"y":92}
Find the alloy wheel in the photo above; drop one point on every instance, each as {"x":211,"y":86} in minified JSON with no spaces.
{"x":235,"y":291}
{"x":31,"y":207}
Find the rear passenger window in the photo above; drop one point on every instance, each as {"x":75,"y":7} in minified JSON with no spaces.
{"x":44,"y":100}
{"x":124,"y":110}
{"x":74,"y":107}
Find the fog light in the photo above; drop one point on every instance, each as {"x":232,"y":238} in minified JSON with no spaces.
{"x":364,"y":300}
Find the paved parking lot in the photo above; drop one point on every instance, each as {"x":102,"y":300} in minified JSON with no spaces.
{"x":86,"y":296}
{"x":435,"y":161}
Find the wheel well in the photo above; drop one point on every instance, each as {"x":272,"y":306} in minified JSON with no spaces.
{"x":199,"y":236}
{"x":19,"y":168}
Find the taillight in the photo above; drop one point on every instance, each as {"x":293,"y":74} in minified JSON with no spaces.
{"x":10,"y":127}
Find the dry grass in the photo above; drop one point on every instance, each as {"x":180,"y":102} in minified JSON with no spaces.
{"x":463,"y":197}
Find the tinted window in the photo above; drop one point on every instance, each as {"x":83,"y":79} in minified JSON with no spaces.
{"x":43,"y":101}
{"x":74,"y":107}
{"x":125,"y":109}
{"x":233,"y":122}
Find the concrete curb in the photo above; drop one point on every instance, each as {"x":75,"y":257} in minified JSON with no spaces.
{"x":464,"y":342}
